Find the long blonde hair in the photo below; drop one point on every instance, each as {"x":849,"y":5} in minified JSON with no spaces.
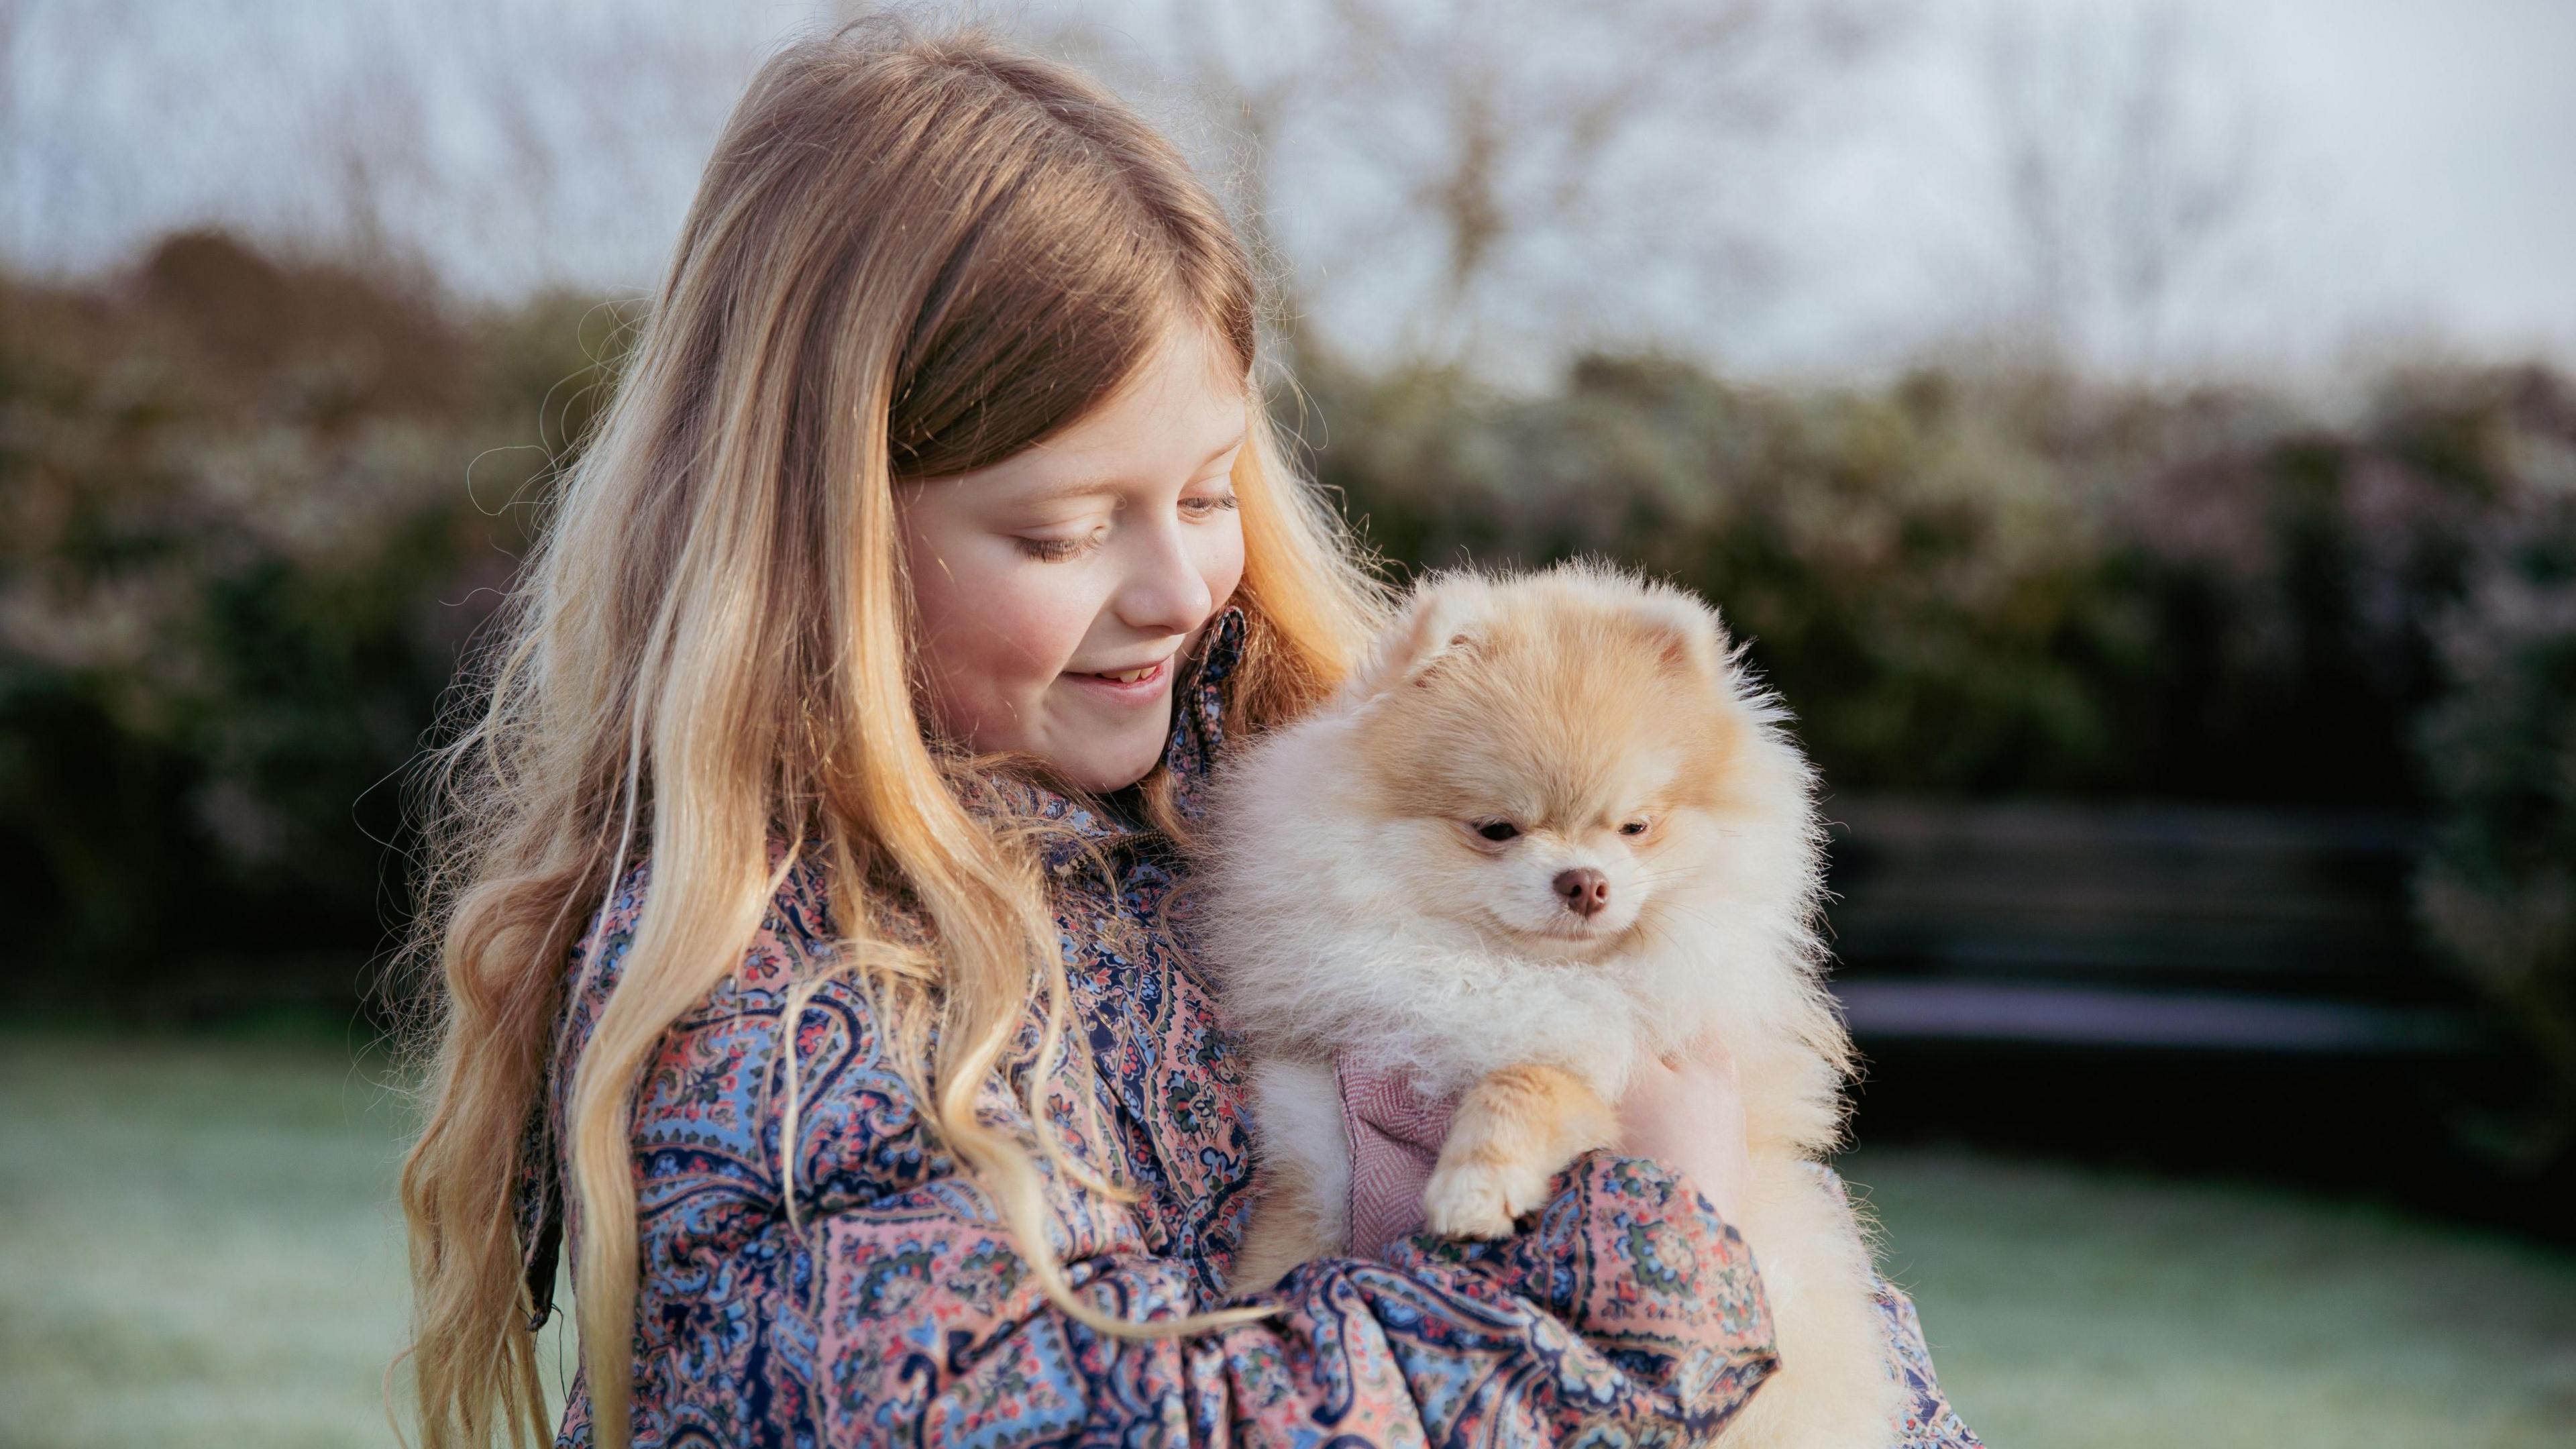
{"x":911,"y":255}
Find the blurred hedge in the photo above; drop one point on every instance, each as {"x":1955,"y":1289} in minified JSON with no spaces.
{"x":241,"y":553}
{"x":2001,"y":583}
{"x":238,"y":555}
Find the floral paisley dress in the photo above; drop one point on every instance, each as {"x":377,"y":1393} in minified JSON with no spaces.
{"x":871,"y":1297}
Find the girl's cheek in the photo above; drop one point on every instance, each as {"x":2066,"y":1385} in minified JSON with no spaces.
{"x":991,"y":636}
{"x":1217,"y":551}
{"x":1040,"y":613}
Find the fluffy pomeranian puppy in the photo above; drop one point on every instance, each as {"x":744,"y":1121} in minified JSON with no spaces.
{"x":1548,"y":831}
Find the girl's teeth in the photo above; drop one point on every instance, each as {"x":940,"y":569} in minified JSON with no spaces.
{"x":1130,"y":676}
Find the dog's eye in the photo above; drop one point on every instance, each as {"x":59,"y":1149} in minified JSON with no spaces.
{"x":1633,"y":827}
{"x":1498,"y":830}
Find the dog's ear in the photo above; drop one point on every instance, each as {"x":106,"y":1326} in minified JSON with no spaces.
{"x":1436,"y":623}
{"x":1686,"y":632}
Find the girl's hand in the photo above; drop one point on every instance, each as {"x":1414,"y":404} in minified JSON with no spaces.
{"x":1687,"y":1111}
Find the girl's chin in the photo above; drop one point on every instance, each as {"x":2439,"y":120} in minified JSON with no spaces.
{"x":1102,"y":774}
{"x":1100,"y":760}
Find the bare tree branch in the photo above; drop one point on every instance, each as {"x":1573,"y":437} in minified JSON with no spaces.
{"x":1496,"y":168}
{"x":2120,"y":178}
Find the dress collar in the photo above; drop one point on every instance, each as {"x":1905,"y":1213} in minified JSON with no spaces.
{"x":1198,"y":712}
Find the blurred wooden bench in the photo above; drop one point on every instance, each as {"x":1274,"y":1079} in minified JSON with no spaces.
{"x":2150,"y":927}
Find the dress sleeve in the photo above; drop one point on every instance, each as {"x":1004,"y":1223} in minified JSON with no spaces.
{"x":1628,"y":1306}
{"x":1929,"y":1422}
{"x":892,"y":1307}
{"x":1925,"y":1418}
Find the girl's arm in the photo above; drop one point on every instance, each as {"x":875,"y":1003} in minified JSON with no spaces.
{"x":893,"y":1309}
{"x":1626,"y":1306}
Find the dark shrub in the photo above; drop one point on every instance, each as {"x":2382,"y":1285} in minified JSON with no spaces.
{"x":240,"y":554}
{"x":252,"y":509}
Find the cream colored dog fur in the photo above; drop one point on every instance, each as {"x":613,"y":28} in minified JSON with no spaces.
{"x":1547,"y":832}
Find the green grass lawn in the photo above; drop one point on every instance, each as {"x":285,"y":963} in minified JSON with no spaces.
{"x":198,"y":1247}
{"x":198,"y":1243}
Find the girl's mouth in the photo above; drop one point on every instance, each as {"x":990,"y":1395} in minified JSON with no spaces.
{"x":1145,"y":679}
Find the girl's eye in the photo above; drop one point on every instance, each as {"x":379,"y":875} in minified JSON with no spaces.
{"x":1498,"y":830}
{"x":1056,"y":550}
{"x":1633,"y":827}
{"x":1207,"y":507}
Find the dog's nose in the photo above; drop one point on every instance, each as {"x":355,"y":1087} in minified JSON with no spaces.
{"x":1584,"y":891}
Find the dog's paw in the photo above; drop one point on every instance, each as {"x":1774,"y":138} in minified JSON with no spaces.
{"x":1466,"y":1202}
{"x":1479,"y":1201}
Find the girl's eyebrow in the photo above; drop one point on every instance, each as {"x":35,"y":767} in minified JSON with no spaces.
{"x":1224,"y":448}
{"x":1108,"y":483}
{"x":1063,"y":492}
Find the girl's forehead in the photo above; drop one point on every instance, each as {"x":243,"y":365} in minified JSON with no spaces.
{"x":1176,"y":417}
{"x":1181,"y":388}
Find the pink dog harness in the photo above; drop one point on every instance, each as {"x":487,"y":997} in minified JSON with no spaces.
{"x":1395,"y":1136}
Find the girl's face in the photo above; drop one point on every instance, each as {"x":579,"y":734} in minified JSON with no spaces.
{"x":1058,"y":589}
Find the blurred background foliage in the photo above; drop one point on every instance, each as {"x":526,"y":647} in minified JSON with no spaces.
{"x":242,"y":549}
{"x":256,"y":507}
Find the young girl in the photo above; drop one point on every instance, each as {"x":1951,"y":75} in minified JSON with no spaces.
{"x":811,"y":902}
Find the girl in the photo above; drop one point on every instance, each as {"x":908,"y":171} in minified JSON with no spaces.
{"x":810,"y":912}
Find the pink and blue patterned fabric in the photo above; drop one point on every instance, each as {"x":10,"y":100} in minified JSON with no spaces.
{"x":872,"y":1297}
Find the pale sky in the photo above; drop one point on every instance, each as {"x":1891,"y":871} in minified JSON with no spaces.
{"x":2448,"y":131}
{"x":2415,"y":169}
{"x":2412,"y":165}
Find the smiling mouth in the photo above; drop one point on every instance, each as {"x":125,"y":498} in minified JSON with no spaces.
{"x":1142,"y":674}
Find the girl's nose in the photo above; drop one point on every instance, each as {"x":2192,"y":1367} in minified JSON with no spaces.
{"x":1164,"y":592}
